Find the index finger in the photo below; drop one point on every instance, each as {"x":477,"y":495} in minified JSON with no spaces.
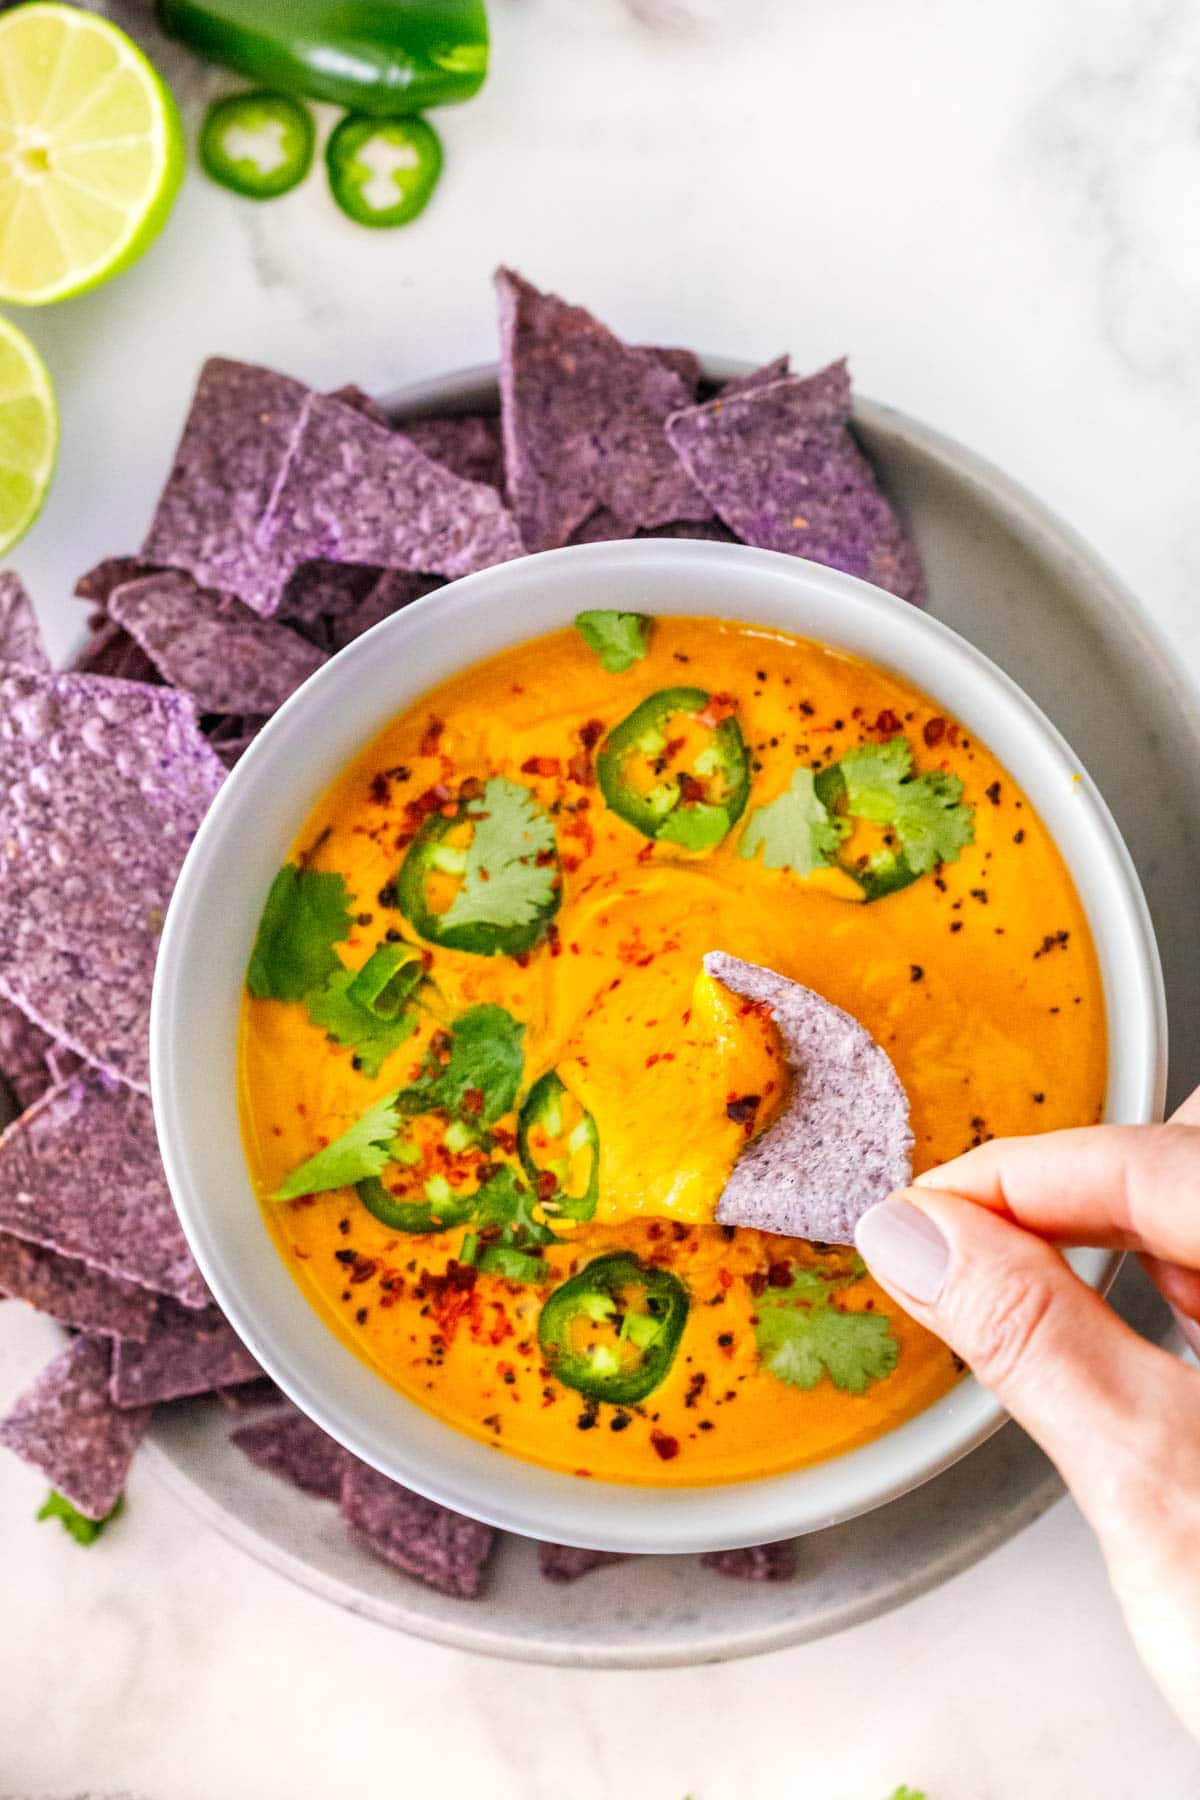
{"x":1120,"y":1187}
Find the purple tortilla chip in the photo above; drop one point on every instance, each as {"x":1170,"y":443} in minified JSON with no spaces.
{"x":601,"y":527}
{"x":756,"y":378}
{"x":355,"y":493}
{"x":187,"y":1351}
{"x":468,"y":443}
{"x":233,"y":734}
{"x":842,"y":1141}
{"x":563,"y":1562}
{"x":110,"y":573}
{"x":760,"y":1562}
{"x":240,"y":431}
{"x":249,"y":1396}
{"x":709,"y":530}
{"x":67,"y":1426}
{"x":290,"y":1446}
{"x":80,"y":1173}
{"x":110,"y":651}
{"x":352,"y":395}
{"x":394,"y":590}
{"x":20,"y":639}
{"x":684,"y":363}
{"x":318,"y":592}
{"x":781,"y":467}
{"x":72,"y":1291}
{"x":582,"y":416}
{"x":24,"y":1050}
{"x":102,"y":787}
{"x":438,"y":1546}
{"x":212,"y":646}
{"x":63,"y":1063}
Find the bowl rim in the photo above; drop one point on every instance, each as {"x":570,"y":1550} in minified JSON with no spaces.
{"x":537,"y":1501}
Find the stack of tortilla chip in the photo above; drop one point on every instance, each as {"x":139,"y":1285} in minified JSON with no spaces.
{"x":292,"y":521}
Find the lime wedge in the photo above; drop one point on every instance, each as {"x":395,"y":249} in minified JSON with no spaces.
{"x":91,"y":152}
{"x":28,"y":434}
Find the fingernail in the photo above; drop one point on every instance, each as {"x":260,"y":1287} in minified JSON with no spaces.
{"x":1188,"y":1328}
{"x":904,"y":1247}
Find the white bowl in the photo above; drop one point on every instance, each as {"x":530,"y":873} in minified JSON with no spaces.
{"x":210,"y":929}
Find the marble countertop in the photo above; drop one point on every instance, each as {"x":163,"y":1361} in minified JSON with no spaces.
{"x":994,"y":212}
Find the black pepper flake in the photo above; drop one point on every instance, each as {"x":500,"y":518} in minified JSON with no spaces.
{"x":344,"y":1227}
{"x":347,"y":1257}
{"x":915,"y":972}
{"x":993,"y":793}
{"x":956,"y":925}
{"x":1039,"y":1099}
{"x":620,"y":1422}
{"x":1019,"y":836}
{"x":360,"y":1316}
{"x":1053,"y":940}
{"x":725,"y":1340}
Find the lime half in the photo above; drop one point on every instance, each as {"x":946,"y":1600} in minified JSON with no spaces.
{"x":28,"y":434}
{"x":91,"y":152}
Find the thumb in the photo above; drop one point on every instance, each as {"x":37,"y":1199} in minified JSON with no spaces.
{"x":1058,"y":1358}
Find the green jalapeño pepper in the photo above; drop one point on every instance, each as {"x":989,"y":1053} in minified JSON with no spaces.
{"x":259,"y":144}
{"x":382,"y":171}
{"x":611,"y":1332}
{"x":440,"y":1209}
{"x":559,"y":1147}
{"x":924,"y":819}
{"x":387,"y":980}
{"x":677,"y":769}
{"x":493,"y":859}
{"x":383,"y":57}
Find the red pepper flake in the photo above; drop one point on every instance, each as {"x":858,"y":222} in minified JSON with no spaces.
{"x":591,"y":733}
{"x":741,"y":1108}
{"x":381,"y":789}
{"x":541,"y":765}
{"x":719,"y":708}
{"x":580,"y":770}
{"x":887,"y":724}
{"x":690,"y":789}
{"x":472,"y":1100}
{"x":665,"y":1446}
{"x":546,"y":1184}
{"x":432,"y":735}
{"x":934,"y":732}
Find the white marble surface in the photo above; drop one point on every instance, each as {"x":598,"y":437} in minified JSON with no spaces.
{"x":995,"y":211}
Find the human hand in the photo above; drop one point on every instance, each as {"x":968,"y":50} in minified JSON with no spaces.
{"x":968,"y":1251}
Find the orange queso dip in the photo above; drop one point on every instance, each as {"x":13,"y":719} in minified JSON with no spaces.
{"x":490,"y":1098}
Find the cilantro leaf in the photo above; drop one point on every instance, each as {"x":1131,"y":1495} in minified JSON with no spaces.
{"x":306,"y":914}
{"x":907,"y":1793}
{"x":363,"y":1149}
{"x":619,"y":639}
{"x":503,"y":883}
{"x":485,"y":1059}
{"x":506,"y":1202}
{"x":347,"y":1022}
{"x":84,"y":1530}
{"x":802,"y":1337}
{"x":795,"y":831}
{"x":699,"y":827}
{"x":927,"y":812}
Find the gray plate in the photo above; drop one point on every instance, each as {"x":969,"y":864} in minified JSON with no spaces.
{"x":1011,"y":578}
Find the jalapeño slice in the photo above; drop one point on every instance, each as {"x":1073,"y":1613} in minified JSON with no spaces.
{"x":440,"y":854}
{"x":557,"y":1137}
{"x":612,"y":1330}
{"x":924,"y":816}
{"x":677,"y":769}
{"x":258,"y":144}
{"x":438,"y":1211}
{"x":383,"y":171}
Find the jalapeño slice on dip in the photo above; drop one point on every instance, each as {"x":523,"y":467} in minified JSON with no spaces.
{"x":491,"y":1099}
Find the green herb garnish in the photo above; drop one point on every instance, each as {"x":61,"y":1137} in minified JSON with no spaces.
{"x":77,"y":1525}
{"x":478,"y":1080}
{"x":795,"y":831}
{"x":306,"y":914}
{"x":503,"y":882}
{"x":363,"y":1149}
{"x":619,"y":639}
{"x":925,"y":811}
{"x":801,"y":1336}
